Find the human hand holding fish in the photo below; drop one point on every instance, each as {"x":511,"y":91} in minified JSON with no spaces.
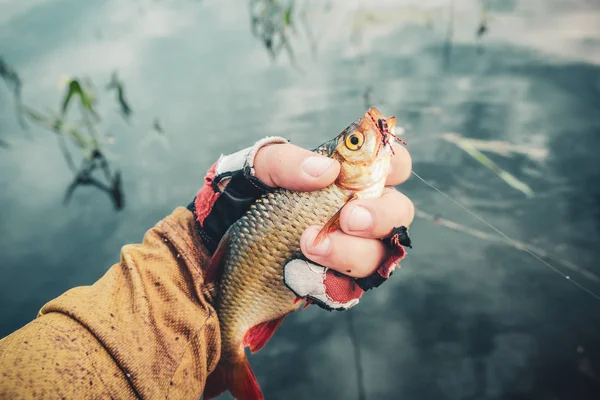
{"x":353,"y":250}
{"x":286,"y":224}
{"x":273,"y":227}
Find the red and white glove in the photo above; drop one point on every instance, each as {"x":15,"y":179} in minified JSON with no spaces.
{"x":230,"y":187}
{"x":332,"y":290}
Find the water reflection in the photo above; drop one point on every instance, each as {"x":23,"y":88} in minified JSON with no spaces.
{"x":465,"y":318}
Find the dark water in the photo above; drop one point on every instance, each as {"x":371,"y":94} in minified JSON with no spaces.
{"x":465,"y":318}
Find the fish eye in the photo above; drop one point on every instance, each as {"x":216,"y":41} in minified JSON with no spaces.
{"x":354,"y":141}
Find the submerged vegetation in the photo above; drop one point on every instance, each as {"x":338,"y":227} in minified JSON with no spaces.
{"x":474,"y":148}
{"x":14,"y":84}
{"x":94,"y":168}
{"x":79,"y":138}
{"x":275,"y":24}
{"x":118,"y":86}
{"x":271,"y":23}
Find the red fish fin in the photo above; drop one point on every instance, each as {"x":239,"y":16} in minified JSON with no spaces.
{"x":331,"y":225}
{"x":217,"y":261}
{"x":238,"y":378}
{"x":259,"y":335}
{"x":308,"y":303}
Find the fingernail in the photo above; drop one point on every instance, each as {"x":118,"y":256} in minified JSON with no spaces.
{"x":360,"y":219}
{"x":316,"y":166}
{"x":320,"y":249}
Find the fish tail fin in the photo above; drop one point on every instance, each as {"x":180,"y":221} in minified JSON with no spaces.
{"x":236,"y":377}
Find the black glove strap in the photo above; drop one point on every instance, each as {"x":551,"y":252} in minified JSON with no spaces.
{"x":239,"y":194}
{"x":371,"y":282}
{"x":399,"y":237}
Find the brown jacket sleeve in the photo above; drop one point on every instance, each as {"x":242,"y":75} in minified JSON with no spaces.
{"x":146,"y":329}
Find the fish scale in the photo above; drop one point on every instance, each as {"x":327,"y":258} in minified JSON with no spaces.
{"x":251,"y":267}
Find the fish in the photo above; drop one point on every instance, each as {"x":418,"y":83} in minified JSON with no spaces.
{"x":247,"y":268}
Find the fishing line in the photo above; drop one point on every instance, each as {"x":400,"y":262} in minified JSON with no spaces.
{"x":499,"y":232}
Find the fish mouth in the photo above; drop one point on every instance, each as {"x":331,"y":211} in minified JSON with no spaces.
{"x":387,"y":129}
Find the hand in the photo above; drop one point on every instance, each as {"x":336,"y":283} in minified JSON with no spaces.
{"x":356,"y":250}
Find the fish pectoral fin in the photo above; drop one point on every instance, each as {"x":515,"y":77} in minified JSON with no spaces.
{"x":308,"y":303}
{"x":333,"y":223}
{"x":259,"y":335}
{"x":217,"y":262}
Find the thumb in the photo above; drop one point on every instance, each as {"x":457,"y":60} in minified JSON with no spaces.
{"x":294,"y":168}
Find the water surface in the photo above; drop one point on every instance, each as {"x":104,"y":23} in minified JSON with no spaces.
{"x":464,"y":318}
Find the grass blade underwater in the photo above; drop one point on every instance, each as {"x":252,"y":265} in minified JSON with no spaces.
{"x":515,"y":243}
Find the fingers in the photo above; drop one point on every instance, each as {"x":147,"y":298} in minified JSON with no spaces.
{"x":356,"y":250}
{"x":294,"y":168}
{"x":349,"y":255}
{"x":375,"y":218}
{"x":401,"y":166}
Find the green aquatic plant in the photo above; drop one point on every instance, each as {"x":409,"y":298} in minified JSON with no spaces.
{"x":85,"y":95}
{"x":471,"y":147}
{"x":14,"y":83}
{"x":76,"y":125}
{"x":156,"y":125}
{"x":446,"y":223}
{"x":94,"y":167}
{"x":482,"y":28}
{"x":118,"y":86}
{"x":84,"y":176}
{"x":56,"y":123}
{"x":271,"y":22}
{"x":82,"y":136}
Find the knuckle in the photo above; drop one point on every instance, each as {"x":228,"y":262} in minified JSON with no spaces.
{"x":276,"y":177}
{"x":277,"y":159}
{"x":406,"y":164}
{"x":278,"y":151}
{"x":362,"y":271}
{"x":357,"y":257}
{"x":263,"y":165}
{"x":411,"y":211}
{"x":345,"y":214}
{"x":389,"y":191}
{"x":408,"y":161}
{"x":406,"y":211}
